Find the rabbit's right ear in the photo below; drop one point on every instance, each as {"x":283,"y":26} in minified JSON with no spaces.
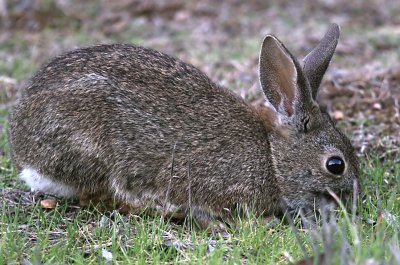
{"x":280,"y":74}
{"x":317,"y":61}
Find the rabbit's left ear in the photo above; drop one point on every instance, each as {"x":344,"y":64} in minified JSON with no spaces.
{"x":317,"y":61}
{"x":282,"y":79}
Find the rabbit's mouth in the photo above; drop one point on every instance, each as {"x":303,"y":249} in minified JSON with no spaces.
{"x":329,"y":196}
{"x":332,"y":198}
{"x":315,"y":203}
{"x":320,"y":204}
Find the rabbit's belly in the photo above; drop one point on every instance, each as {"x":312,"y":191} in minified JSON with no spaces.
{"x":38,"y":182}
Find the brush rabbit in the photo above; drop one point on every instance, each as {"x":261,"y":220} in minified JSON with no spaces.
{"x":139,"y":125}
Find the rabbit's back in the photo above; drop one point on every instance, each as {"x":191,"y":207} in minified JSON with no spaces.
{"x":114,"y":117}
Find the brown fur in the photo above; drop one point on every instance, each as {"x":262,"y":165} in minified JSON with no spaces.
{"x":144,"y":126}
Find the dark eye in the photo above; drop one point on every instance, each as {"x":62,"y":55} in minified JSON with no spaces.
{"x":335,"y":165}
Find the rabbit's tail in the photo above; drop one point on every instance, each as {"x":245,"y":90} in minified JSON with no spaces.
{"x":38,"y":182}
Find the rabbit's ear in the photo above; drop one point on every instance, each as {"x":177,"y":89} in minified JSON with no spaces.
{"x":282,"y":79}
{"x":317,"y":61}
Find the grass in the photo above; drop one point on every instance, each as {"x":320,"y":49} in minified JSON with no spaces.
{"x":68,"y":234}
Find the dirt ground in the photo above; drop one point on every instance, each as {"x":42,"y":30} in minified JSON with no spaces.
{"x":361,"y":89}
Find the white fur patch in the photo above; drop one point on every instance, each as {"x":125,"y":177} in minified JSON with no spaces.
{"x":38,"y":182}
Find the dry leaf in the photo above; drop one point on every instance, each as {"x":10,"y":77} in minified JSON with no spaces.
{"x":49,"y":203}
{"x":338,"y":115}
{"x":377,"y":106}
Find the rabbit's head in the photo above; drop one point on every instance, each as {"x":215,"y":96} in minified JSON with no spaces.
{"x":312,"y":156}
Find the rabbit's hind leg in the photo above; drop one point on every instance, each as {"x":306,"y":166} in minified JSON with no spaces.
{"x":104,"y":202}
{"x":38,"y":182}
